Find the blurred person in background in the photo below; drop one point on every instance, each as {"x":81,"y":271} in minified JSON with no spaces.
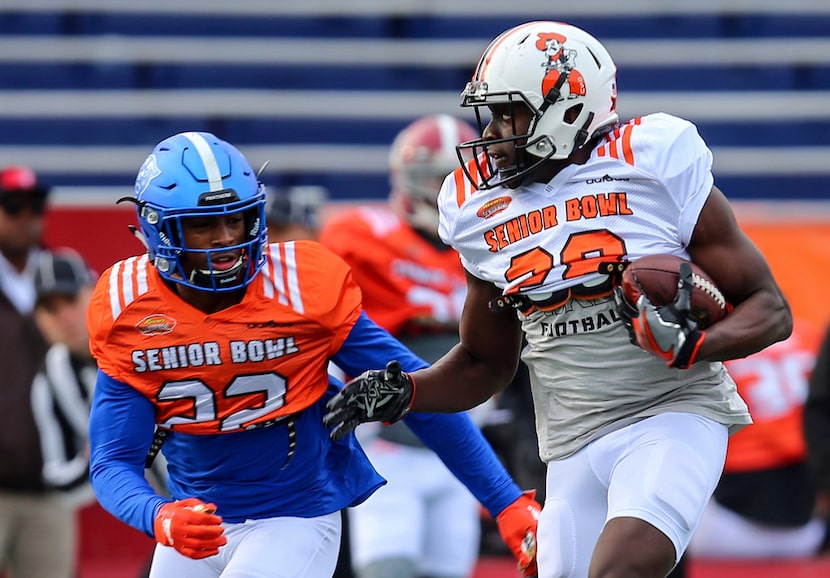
{"x":424,"y":522}
{"x":294,"y":213}
{"x":817,"y":434}
{"x":62,"y":389}
{"x":35,"y":530}
{"x":763,"y":506}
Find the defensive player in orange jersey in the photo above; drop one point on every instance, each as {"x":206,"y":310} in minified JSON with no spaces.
{"x":222,"y":342}
{"x":633,"y":407}
{"x":763,"y":505}
{"x":413,"y":286}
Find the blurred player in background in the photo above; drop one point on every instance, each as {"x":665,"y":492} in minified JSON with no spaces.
{"x":634,"y":437}
{"x":424,"y":522}
{"x":294,"y":213}
{"x":223,"y":341}
{"x":763,"y":506}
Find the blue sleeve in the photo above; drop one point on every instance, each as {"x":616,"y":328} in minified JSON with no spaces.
{"x":121,"y":426}
{"x":452,"y":436}
{"x":467,"y":454}
{"x":370,"y":346}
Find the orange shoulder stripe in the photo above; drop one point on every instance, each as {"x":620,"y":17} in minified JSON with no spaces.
{"x":281,"y":280}
{"x":618,"y":142}
{"x":127,"y":281}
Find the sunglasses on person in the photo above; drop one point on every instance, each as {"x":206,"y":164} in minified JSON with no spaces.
{"x":15,"y":203}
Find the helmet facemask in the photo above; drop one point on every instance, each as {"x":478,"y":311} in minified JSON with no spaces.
{"x":173,"y":259}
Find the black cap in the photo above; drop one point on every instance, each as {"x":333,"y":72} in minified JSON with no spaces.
{"x":61,"y":272}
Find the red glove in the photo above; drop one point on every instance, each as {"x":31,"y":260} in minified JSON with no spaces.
{"x":517,"y":526}
{"x":191,"y":527}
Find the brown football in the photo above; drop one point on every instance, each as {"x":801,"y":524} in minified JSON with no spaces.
{"x":657,"y":277}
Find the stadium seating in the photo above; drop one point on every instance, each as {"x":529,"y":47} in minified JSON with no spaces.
{"x":87,"y":88}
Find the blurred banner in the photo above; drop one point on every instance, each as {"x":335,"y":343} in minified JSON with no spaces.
{"x":799,"y":254}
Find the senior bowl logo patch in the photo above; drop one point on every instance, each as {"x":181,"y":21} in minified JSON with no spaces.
{"x":493,"y":207}
{"x":156,"y":324}
{"x":148,"y":171}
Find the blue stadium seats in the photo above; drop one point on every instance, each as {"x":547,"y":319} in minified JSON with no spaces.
{"x":103,"y":64}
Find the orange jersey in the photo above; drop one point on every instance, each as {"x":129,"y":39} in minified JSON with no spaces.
{"x":773,"y":382}
{"x":259,"y":360}
{"x":405,"y":279}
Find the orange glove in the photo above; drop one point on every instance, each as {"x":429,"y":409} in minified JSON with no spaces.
{"x":517,"y":526}
{"x":191,"y":527}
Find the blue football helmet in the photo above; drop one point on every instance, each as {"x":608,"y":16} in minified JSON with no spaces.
{"x":196,"y":174}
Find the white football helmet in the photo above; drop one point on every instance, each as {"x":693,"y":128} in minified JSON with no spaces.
{"x":421,"y":156}
{"x":566,"y":78}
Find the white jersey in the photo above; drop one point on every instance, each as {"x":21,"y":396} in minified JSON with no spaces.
{"x":640,"y":192}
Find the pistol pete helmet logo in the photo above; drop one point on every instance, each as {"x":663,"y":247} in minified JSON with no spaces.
{"x":157,"y":324}
{"x":559,"y":59}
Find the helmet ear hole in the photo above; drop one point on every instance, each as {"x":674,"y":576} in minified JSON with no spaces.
{"x":572,"y":113}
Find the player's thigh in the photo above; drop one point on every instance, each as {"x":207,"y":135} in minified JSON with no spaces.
{"x":572,"y":517}
{"x":453,"y":531}
{"x":664,"y":470}
{"x":168,"y":562}
{"x":285,"y":547}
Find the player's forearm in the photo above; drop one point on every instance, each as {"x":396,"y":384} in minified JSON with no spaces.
{"x":121,"y":427}
{"x":761,"y":320}
{"x":458,"y":381}
{"x":125,"y":495}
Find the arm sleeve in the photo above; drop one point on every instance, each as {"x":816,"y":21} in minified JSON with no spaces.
{"x":121,"y":426}
{"x":453,"y":436}
{"x":467,"y":454}
{"x":369,"y":346}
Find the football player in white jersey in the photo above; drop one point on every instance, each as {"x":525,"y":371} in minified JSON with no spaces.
{"x":634,"y":437}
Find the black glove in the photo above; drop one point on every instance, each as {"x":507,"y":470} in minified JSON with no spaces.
{"x":668,"y":331}
{"x":376,"y":395}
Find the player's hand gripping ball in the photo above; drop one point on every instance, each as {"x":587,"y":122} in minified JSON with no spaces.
{"x":656,"y":276}
{"x":666,"y":303}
